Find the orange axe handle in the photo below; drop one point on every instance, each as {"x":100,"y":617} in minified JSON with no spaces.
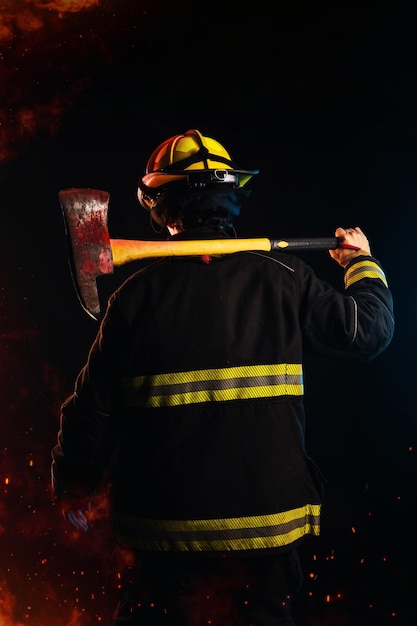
{"x":127,"y":250}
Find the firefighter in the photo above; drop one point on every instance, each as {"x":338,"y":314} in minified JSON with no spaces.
{"x":190,"y":404}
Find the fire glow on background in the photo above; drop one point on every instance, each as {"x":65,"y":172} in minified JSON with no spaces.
{"x":44,"y":65}
{"x":48,"y":52}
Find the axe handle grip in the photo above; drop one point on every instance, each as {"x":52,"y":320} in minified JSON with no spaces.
{"x":319,"y":243}
{"x":127,"y":250}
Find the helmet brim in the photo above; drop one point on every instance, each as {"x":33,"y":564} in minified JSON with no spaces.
{"x":237,"y":177}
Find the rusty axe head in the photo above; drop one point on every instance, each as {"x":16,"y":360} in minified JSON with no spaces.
{"x":85,"y":216}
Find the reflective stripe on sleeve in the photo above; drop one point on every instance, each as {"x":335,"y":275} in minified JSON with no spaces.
{"x":241,"y":533}
{"x":214,"y":385}
{"x":364,"y":269}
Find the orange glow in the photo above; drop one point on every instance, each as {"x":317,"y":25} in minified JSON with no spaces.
{"x":7,"y":604}
{"x":67,"y":6}
{"x":47,"y":60}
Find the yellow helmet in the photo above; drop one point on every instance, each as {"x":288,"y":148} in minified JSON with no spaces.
{"x":193,"y":158}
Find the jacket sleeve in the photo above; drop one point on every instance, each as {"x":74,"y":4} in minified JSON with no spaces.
{"x":357,"y":324}
{"x":88,"y":432}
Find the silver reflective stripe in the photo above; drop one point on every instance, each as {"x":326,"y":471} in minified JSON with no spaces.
{"x":214,"y":385}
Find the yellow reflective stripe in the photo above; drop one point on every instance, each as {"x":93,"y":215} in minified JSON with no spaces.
{"x":225,"y":373}
{"x":222,"y":395}
{"x":214,"y":385}
{"x":364,"y":269}
{"x":246,"y":533}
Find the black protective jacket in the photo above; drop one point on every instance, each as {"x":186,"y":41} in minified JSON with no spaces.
{"x":191,"y":402}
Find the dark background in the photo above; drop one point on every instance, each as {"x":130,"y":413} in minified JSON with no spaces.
{"x":322,"y":98}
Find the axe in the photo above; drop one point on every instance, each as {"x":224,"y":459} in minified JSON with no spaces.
{"x":93,"y":253}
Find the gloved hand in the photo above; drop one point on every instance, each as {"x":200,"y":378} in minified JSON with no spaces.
{"x":77,"y":517}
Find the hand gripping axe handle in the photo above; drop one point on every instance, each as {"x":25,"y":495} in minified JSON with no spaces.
{"x":93,"y":253}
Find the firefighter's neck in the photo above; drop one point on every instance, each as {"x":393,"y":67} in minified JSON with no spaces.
{"x":174,"y":227}
{"x":174,"y":231}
